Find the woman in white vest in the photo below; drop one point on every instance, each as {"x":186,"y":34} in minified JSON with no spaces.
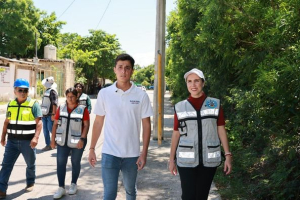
{"x":69,"y":132}
{"x":199,"y":128}
{"x":84,"y":99}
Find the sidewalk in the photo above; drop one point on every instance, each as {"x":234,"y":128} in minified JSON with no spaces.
{"x":154,"y":181}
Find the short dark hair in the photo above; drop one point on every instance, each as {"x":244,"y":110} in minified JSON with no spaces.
{"x":123,"y":57}
{"x":73,"y":91}
{"x":82,"y":86}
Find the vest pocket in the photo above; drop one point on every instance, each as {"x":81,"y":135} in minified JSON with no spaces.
{"x":59,"y":136}
{"x":186,"y":152}
{"x":45,"y":110}
{"x":74,"y":139}
{"x":213,"y":152}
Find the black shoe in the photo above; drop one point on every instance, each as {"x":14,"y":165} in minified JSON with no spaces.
{"x":2,"y":195}
{"x":29,"y":187}
{"x":47,"y":148}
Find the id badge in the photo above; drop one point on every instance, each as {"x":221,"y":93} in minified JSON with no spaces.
{"x":58,"y":138}
{"x":74,"y":140}
{"x":187,"y":154}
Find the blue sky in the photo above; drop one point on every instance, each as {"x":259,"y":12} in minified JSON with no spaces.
{"x":133,"y":21}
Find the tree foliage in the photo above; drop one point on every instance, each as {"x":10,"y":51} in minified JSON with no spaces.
{"x":145,"y":75}
{"x":249,"y":53}
{"x":94,"y":54}
{"x":18,"y":22}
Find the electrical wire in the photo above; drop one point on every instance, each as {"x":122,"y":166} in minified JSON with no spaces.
{"x":103,"y":14}
{"x":66,"y":9}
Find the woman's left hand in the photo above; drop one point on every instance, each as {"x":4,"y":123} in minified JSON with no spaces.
{"x":227,"y":165}
{"x":80,"y":144}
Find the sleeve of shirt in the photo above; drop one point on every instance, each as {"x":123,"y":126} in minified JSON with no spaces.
{"x":36,"y":110}
{"x":146,"y":107}
{"x":86,"y":115}
{"x":54,"y":97}
{"x":175,"y":127}
{"x":89,"y":104}
{"x":56,"y":117}
{"x":99,"y":106}
{"x":221,"y":119}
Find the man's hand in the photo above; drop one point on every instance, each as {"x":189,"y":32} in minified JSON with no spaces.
{"x":141,"y":162}
{"x":3,"y":142}
{"x":34,"y":142}
{"x":92,"y":158}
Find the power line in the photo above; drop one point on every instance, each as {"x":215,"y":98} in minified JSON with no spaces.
{"x":66,"y":9}
{"x":103,"y":14}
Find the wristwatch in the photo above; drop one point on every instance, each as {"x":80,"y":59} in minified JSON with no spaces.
{"x":83,"y":139}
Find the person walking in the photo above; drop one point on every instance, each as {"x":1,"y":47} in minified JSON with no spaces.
{"x":49,"y":106}
{"x":22,"y":126}
{"x":70,"y":131}
{"x":199,"y":126}
{"x":84,"y":99}
{"x":124,"y":108}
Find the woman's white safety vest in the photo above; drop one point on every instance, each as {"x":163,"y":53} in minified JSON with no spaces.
{"x":199,"y":141}
{"x":69,"y":126}
{"x":46,"y":102}
{"x":83,"y":99}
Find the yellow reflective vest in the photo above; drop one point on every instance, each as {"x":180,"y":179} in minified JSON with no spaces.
{"x":22,"y":123}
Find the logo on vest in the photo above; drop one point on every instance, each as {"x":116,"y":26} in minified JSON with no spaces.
{"x":78,"y":110}
{"x":211,"y":103}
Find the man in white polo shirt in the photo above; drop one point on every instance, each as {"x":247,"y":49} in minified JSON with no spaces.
{"x":124,"y":108}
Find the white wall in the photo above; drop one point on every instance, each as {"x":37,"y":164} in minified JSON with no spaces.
{"x":7,"y":83}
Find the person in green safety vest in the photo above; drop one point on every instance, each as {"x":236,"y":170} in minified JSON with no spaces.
{"x":22,"y":127}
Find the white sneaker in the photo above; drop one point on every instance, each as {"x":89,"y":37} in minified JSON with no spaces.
{"x":59,"y":193}
{"x":73,"y":189}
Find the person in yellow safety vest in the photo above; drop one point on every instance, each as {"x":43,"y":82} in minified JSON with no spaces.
{"x":83,"y":98}
{"x":22,"y":126}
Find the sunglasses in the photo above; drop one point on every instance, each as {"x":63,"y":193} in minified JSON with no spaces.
{"x":23,"y":91}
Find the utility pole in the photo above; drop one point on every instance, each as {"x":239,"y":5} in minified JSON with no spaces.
{"x":159,"y":81}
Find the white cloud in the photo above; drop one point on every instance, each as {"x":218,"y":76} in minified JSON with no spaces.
{"x":144,"y":59}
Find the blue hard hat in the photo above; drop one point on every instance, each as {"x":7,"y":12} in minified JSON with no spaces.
{"x":21,"y":83}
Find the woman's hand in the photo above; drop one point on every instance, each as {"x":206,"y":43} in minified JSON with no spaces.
{"x":172,"y":167}
{"x":227,"y":165}
{"x":53,"y":144}
{"x":80,"y":144}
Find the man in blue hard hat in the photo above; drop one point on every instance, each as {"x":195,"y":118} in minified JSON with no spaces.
{"x":22,"y":126}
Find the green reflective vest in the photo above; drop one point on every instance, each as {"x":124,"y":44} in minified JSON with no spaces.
{"x":22,"y":123}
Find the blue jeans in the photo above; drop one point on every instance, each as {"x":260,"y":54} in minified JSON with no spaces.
{"x":111,"y":167}
{"x":47,"y":128}
{"x":12,"y":151}
{"x":62,"y":159}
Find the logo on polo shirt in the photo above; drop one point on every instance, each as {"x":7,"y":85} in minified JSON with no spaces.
{"x":134,"y":101}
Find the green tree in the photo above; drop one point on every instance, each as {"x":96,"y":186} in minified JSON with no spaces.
{"x":18,"y":22}
{"x":249,"y":53}
{"x":94,"y":54}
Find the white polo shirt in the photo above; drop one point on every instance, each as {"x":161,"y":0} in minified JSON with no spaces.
{"x":123,"y":113}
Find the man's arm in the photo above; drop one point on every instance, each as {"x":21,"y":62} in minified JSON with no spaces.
{"x":141,"y":162}
{"x":39,"y":125}
{"x":54,"y":102}
{"x":89,"y":104}
{"x":4,"y":131}
{"x":97,"y":127}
